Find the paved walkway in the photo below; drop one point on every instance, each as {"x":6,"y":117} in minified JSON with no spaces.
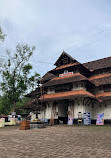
{"x":59,"y":141}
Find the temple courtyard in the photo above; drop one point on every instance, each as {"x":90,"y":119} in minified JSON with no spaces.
{"x":57,"y":141}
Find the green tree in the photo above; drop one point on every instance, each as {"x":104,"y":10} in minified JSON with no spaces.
{"x":15,"y":72}
{"x":5,"y":105}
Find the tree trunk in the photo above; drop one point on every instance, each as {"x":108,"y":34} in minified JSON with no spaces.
{"x":14,"y":106}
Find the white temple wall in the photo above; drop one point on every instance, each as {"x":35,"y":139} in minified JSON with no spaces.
{"x":33,"y":116}
{"x":61,"y":110}
{"x":48,"y":110}
{"x":46,"y":113}
{"x":105,"y":108}
{"x":41,"y":115}
{"x":80,"y":108}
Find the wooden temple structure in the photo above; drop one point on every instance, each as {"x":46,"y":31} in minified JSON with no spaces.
{"x":34,"y":105}
{"x":73,"y":88}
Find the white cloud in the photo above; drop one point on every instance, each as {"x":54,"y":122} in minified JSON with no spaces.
{"x":56,"y":25}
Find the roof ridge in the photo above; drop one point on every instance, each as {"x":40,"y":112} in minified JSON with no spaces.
{"x":96,"y":60}
{"x":66,"y":55}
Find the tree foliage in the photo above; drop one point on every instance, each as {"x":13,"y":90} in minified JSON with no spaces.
{"x":15,"y":72}
{"x":5,"y":105}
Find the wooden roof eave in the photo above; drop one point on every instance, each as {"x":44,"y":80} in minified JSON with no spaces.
{"x":101,"y":81}
{"x":54,"y":82}
{"x":98,"y":64}
{"x":48,"y":76}
{"x":54,"y":71}
{"x":67,"y":95}
{"x":103,"y":96}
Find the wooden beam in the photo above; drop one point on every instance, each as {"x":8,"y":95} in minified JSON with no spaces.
{"x":77,"y":101}
{"x":87,"y":101}
{"x":80,"y":99}
{"x":93,"y":103}
{"x":84,"y":100}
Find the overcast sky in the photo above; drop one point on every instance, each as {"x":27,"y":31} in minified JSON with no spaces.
{"x":82,"y":28}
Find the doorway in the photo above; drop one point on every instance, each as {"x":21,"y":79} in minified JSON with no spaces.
{"x":62,"y":112}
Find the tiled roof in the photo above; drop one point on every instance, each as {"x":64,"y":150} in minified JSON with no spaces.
{"x":61,"y":78}
{"x":33,"y":94}
{"x":98,"y":64}
{"x":67,"y":95}
{"x":47,"y":76}
{"x":68,"y":79}
{"x":102,"y":79}
{"x":67,"y":65}
{"x":73,"y":65}
{"x":100,"y":76}
{"x":32,"y":104}
{"x":103,"y":96}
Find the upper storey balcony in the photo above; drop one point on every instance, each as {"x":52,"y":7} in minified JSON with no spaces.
{"x":68,"y":83}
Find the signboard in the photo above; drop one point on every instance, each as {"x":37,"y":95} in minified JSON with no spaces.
{"x":66,"y":74}
{"x":70,"y":122}
{"x":87,"y":118}
{"x":100,"y":120}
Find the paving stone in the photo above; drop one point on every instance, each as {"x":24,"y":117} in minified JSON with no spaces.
{"x":59,"y":141}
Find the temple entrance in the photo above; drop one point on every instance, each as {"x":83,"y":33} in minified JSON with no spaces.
{"x":62,"y":112}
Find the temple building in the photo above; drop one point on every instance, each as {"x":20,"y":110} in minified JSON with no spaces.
{"x":72,"y":88}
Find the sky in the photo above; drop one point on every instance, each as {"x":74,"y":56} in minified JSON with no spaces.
{"x":82,"y":28}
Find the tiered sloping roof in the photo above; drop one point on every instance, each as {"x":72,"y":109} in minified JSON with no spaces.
{"x":102,"y":79}
{"x":89,"y":67}
{"x":34,"y":93}
{"x":103,"y":96}
{"x":48,"y":76}
{"x":67,"y":65}
{"x":67,"y":79}
{"x":67,"y":95}
{"x":98,"y":64}
{"x":33,"y":104}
